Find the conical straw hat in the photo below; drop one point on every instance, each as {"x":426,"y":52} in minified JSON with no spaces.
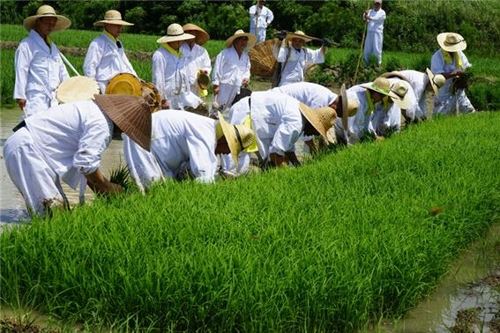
{"x":77,"y":88}
{"x":201,"y":36}
{"x":131,"y":114}
{"x":322,"y":119}
{"x":238,"y":137}
{"x":47,"y":11}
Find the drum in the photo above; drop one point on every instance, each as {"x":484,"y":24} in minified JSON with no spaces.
{"x":77,"y":88}
{"x":129,"y":84}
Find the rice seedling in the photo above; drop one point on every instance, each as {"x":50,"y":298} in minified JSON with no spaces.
{"x":121,"y":176}
{"x":346,"y":239}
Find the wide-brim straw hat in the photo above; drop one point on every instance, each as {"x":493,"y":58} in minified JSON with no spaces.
{"x":131,"y":114}
{"x":300,"y":35}
{"x":124,"y":84}
{"x":322,"y":119}
{"x":240,"y":33}
{"x":238,"y":137}
{"x":380,"y":85}
{"x":47,"y":11}
{"x":77,"y":88}
{"x":112,"y":17}
{"x":436,"y":81}
{"x":451,"y":41}
{"x":175,"y":33}
{"x":349,"y":106}
{"x":399,"y":94}
{"x":201,"y":36}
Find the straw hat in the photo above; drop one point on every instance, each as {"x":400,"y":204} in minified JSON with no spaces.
{"x":47,"y":11}
{"x":77,"y":88}
{"x":131,"y":114}
{"x":436,"y":81}
{"x":349,"y":106}
{"x":201,"y":35}
{"x":322,"y":119}
{"x":451,"y":41}
{"x":112,"y":17}
{"x":300,"y":35}
{"x":399,"y":94}
{"x":124,"y":84}
{"x":174,"y":33}
{"x":394,"y":74}
{"x":240,"y":33}
{"x":238,"y":137}
{"x":380,"y":85}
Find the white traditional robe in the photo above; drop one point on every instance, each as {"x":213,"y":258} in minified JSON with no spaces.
{"x":276,"y":120}
{"x":104,"y":60}
{"x":181,"y":141}
{"x":260,"y":18}
{"x":378,"y":123}
{"x":311,"y":94}
{"x":229,"y":72}
{"x":39,"y":71}
{"x":196,"y":59}
{"x":446,"y":102}
{"x":297,"y":62}
{"x":410,"y":111}
{"x":375,"y":35}
{"x":171,"y":79}
{"x":418,"y":82}
{"x":62,"y":143}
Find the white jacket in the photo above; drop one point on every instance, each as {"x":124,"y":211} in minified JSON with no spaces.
{"x":297,"y":63}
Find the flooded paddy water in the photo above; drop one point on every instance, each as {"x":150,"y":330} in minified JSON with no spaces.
{"x":466,"y":300}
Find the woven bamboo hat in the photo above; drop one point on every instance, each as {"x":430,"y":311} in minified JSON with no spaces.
{"x":322,"y":119}
{"x":240,"y":33}
{"x":175,"y":33}
{"x":238,"y":137}
{"x":300,"y":35}
{"x":112,"y":17}
{"x":47,"y":11}
{"x":451,"y":41}
{"x":436,"y":80}
{"x":77,"y":88}
{"x":201,"y":36}
{"x":131,"y":114}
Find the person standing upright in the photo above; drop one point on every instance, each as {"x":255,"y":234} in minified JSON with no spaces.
{"x":375,"y":18}
{"x":260,"y":18}
{"x":106,"y":56}
{"x":38,"y":63}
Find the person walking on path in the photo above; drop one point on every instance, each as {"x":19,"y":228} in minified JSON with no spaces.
{"x":38,"y":64}
{"x":260,"y":18}
{"x":106,"y":56}
{"x":375,"y":18}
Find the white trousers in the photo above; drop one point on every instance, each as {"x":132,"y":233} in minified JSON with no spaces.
{"x":33,"y":177}
{"x":226,"y":95}
{"x":373,"y":45}
{"x":260,"y":33}
{"x":448,"y":103}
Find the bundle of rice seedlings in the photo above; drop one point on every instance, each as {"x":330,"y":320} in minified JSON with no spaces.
{"x":121,"y":176}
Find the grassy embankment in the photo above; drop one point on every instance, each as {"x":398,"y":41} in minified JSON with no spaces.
{"x":346,"y":239}
{"x":485,"y":94}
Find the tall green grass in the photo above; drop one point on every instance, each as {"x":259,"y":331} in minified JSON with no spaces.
{"x":348,"y":238}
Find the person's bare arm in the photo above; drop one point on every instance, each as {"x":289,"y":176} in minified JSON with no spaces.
{"x":99,"y":184}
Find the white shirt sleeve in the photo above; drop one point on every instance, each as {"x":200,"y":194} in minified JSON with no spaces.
{"x":216,"y":76}
{"x":95,"y":138}
{"x":269,"y":17}
{"x":283,"y":52}
{"x":158,"y":73}
{"x":22,"y":62}
{"x":205,"y":63}
{"x":92,"y":59}
{"x":437,"y":63}
{"x":287,"y":134}
{"x":314,"y":56}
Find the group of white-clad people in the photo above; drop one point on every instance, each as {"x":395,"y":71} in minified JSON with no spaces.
{"x":56,"y":143}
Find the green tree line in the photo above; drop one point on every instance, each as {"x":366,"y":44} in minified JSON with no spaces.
{"x":410,"y":25}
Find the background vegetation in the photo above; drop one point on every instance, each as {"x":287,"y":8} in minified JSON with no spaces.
{"x":351,"y":237}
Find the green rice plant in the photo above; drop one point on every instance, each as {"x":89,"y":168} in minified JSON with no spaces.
{"x":346,"y":239}
{"x":121,"y":176}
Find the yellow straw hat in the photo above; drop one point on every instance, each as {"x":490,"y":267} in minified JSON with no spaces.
{"x":77,"y":88}
{"x":131,"y":114}
{"x":112,"y":17}
{"x":322,"y":119}
{"x":175,"y":33}
{"x":240,"y":33}
{"x":47,"y":11}
{"x":124,"y":84}
{"x":300,"y":35}
{"x":201,"y":36}
{"x":238,"y":137}
{"x":451,"y":41}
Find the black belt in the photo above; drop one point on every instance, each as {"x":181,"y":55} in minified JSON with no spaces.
{"x":19,"y":126}
{"x":249,"y":103}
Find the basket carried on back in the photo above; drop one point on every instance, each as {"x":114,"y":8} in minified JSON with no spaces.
{"x":262,"y":58}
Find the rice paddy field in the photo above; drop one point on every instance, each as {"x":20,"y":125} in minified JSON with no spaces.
{"x":351,"y":237}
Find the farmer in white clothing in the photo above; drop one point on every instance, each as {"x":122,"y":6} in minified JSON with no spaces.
{"x":184,"y":143}
{"x":170,"y":73}
{"x":66,"y":142}
{"x":451,"y":62}
{"x":375,"y":34}
{"x":198,"y":64}
{"x":38,"y":64}
{"x":421,"y":83}
{"x":295,"y":58}
{"x":378,"y":113}
{"x":106,"y":56}
{"x":232,"y":69}
{"x":260,"y":18}
{"x":278,"y":121}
